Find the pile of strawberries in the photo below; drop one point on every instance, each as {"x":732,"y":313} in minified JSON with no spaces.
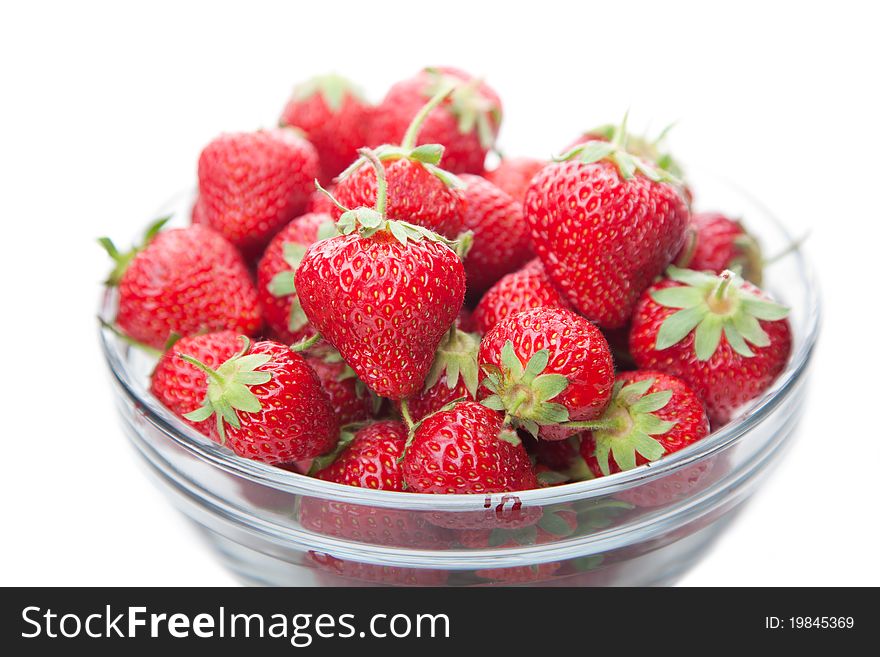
{"x":357,"y":298}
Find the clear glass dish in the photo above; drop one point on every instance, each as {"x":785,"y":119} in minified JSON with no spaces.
{"x":646,"y":526}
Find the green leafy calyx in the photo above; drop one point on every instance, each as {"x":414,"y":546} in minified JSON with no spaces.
{"x":229,"y":388}
{"x":457,"y":358}
{"x":123,"y":259}
{"x":332,"y":87}
{"x":524,"y":392}
{"x":629,"y":425}
{"x":711,"y":306}
{"x":369,"y":221}
{"x":629,"y":159}
{"x":283,"y":285}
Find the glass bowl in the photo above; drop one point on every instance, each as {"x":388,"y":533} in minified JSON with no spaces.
{"x":646,"y":526}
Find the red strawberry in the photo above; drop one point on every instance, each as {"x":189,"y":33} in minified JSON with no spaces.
{"x":335,"y":118}
{"x":278,"y":300}
{"x":368,"y":458}
{"x":351,"y":400}
{"x":252,"y":184}
{"x":716,"y":243}
{"x":502,"y":242}
{"x":604,"y":223}
{"x":454,"y":375}
{"x":720,"y":334}
{"x":651,"y":414}
{"x":181,"y":386}
{"x":466,"y":124}
{"x":268,"y":405}
{"x":383,"y":293}
{"x":530,"y":287}
{"x":418,"y":190}
{"x":466,"y":449}
{"x":182,"y":281}
{"x":514,"y":174}
{"x":546,"y":366}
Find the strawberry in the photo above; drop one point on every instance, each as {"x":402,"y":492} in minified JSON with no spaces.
{"x":282,"y":311}
{"x":466,"y":449}
{"x":367,"y":458}
{"x":268,"y":404}
{"x":418,"y":190}
{"x":181,"y":386}
{"x":466,"y":124}
{"x":252,"y":184}
{"x":514,"y":174}
{"x":351,"y":400}
{"x":383,"y":294}
{"x":530,"y":287}
{"x":720,"y":334}
{"x":182,"y":281}
{"x":334,"y":117}
{"x":650,"y":415}
{"x":546,"y":366}
{"x":502,"y":242}
{"x":716,"y":243}
{"x":605,"y":223}
{"x":454,"y":374}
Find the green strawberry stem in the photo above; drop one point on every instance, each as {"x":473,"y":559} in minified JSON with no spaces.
{"x":609,"y":424}
{"x":407,"y":417}
{"x":305,"y":344}
{"x":412,"y":132}
{"x":381,"y":182}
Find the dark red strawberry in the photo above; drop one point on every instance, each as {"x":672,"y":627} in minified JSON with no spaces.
{"x":651,"y":414}
{"x":268,"y":405}
{"x":466,"y":124}
{"x":605,"y":223}
{"x":252,"y":184}
{"x":182,"y":281}
{"x":502,"y":242}
{"x":454,"y":375}
{"x":720,"y":334}
{"x":368,"y":458}
{"x":716,"y":243}
{"x":514,"y":174}
{"x":275,"y":285}
{"x":335,"y":118}
{"x":418,"y":191}
{"x":181,"y":386}
{"x":546,"y":367}
{"x":528,"y":288}
{"x":351,"y":400}
{"x":383,"y":293}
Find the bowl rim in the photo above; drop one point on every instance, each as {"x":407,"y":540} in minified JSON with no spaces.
{"x":267,"y":475}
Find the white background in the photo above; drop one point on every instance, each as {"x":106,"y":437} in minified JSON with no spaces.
{"x":105,"y":108}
